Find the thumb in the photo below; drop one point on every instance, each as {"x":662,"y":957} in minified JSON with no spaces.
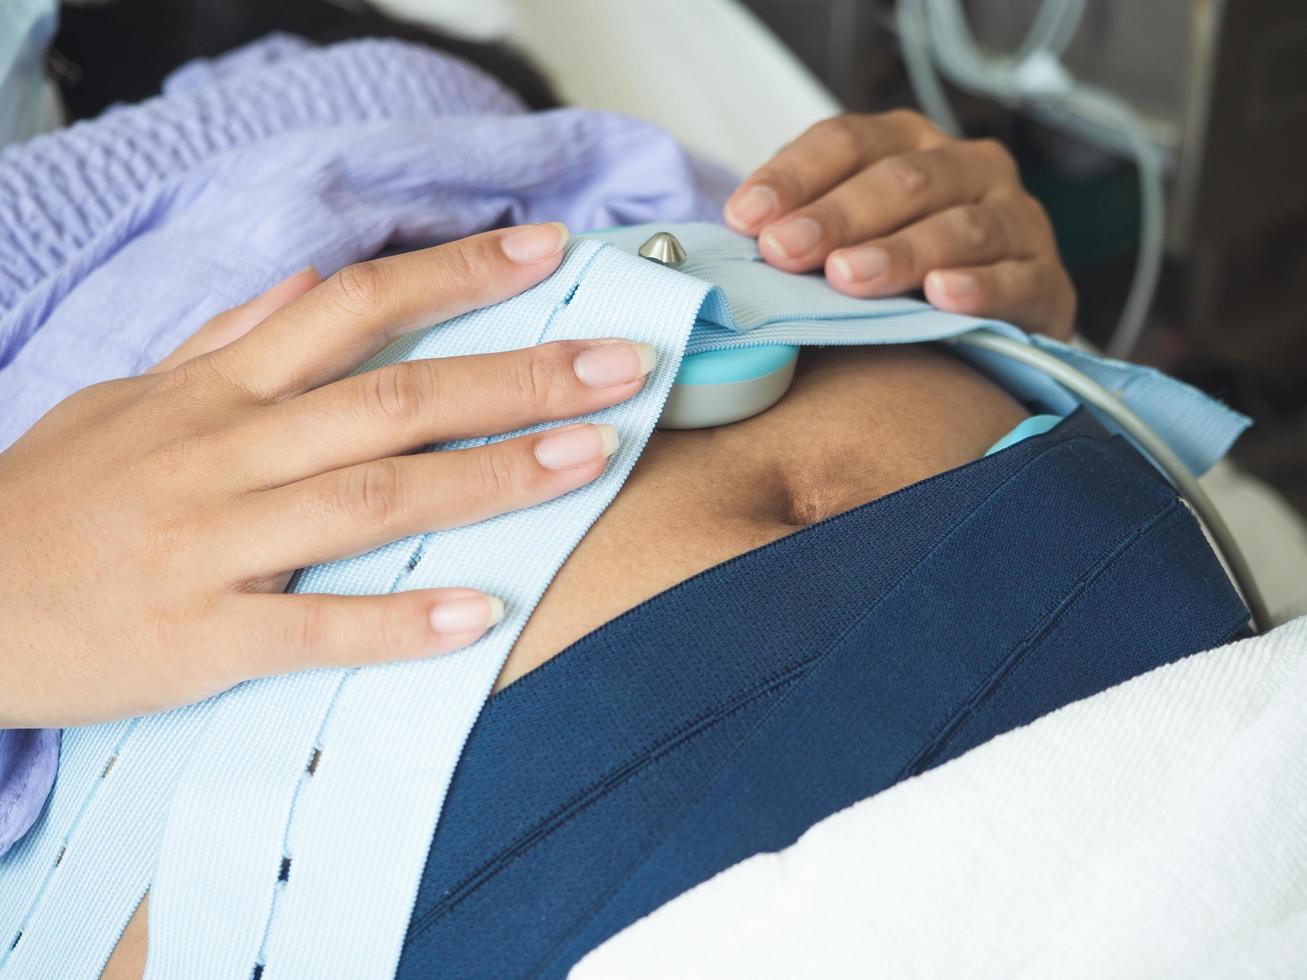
{"x":238,"y":321}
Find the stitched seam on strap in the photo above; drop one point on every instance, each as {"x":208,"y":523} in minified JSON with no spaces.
{"x":87,"y":801}
{"x":597,"y":791}
{"x":983,"y":691}
{"x":418,"y":551}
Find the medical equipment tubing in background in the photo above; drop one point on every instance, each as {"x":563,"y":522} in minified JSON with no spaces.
{"x":934,"y":33}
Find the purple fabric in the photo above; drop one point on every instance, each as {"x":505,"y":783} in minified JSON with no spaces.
{"x":121,"y":236}
{"x":28,"y":759}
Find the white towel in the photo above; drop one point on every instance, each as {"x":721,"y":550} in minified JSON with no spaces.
{"x":1158,"y":829}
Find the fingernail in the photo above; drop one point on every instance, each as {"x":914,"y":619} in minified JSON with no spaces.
{"x":469,"y":614}
{"x":575,"y":445}
{"x":534,"y":243}
{"x":859,"y":264}
{"x":792,"y":238}
{"x":756,"y":204}
{"x":614,"y":363}
{"x":955,"y":285}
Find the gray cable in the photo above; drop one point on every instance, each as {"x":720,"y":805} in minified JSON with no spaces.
{"x":1054,"y":26}
{"x":1091,"y":392}
{"x":914,"y":43}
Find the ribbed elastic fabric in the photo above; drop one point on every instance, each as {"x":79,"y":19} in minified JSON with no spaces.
{"x":725,"y":716}
{"x":281,"y":827}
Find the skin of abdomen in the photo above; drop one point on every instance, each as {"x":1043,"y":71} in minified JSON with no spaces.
{"x":858,"y":423}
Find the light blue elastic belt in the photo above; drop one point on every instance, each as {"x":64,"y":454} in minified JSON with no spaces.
{"x":252,"y":859}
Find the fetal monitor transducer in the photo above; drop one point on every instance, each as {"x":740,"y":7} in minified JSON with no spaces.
{"x":718,"y":387}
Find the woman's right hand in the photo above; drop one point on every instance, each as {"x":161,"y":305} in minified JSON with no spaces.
{"x":149,"y":525}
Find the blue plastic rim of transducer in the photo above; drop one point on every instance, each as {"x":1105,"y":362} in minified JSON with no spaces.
{"x":716,"y":367}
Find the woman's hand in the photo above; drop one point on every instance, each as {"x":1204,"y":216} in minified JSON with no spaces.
{"x":888,"y":203}
{"x":147,"y":524}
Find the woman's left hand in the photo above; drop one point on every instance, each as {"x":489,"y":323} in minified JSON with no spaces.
{"x":888,"y":203}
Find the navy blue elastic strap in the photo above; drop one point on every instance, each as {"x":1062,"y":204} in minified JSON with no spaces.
{"x":728,"y":714}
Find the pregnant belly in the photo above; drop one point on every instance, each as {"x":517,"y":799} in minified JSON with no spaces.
{"x":858,"y":423}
